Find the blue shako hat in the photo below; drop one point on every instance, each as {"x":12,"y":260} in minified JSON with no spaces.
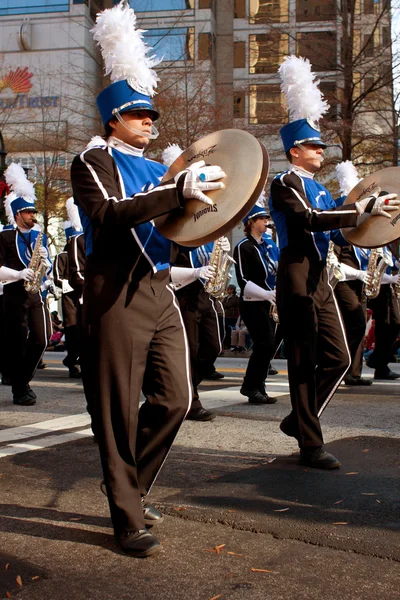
{"x":300,"y":132}
{"x":256,"y":211}
{"x":70,"y":231}
{"x":20,"y":204}
{"x":121,"y":97}
{"x":305,"y":103}
{"x":128,"y":60}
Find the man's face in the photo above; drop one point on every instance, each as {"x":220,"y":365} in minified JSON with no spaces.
{"x":26,"y":219}
{"x":140,"y":120}
{"x":259,"y":226}
{"x":308,"y":157}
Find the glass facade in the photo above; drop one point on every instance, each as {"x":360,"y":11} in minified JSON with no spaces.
{"x":27,"y":7}
{"x":158,"y":5}
{"x":171,"y":44}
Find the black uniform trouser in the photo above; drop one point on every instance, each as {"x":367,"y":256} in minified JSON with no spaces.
{"x":138,"y":342}
{"x":387,"y":326}
{"x":3,"y":345}
{"x":71,"y":330}
{"x":261,"y":328}
{"x":353,"y":307}
{"x":315,"y":344}
{"x":28,"y":331}
{"x":203,"y":333}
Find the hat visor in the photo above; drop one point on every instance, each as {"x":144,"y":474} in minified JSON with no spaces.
{"x":138,"y":107}
{"x":27,"y":209}
{"x":314,"y":142}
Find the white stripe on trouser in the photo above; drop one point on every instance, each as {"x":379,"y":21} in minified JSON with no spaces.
{"x":188,"y":378}
{"x":321,"y":410}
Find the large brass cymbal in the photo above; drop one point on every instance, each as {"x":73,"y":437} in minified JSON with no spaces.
{"x":375,"y":231}
{"x":245,"y":162}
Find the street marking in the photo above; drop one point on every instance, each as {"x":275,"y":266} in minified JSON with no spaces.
{"x":58,"y":384}
{"x":46,"y":442}
{"x":44,"y":427}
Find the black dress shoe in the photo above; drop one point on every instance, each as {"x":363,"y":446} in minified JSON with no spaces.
{"x":256,"y":397}
{"x":152,"y":516}
{"x":350,"y":380}
{"x":272,"y":371}
{"x":214,"y":376}
{"x":23,"y":400}
{"x":388,"y":375}
{"x":289,"y":428}
{"x":318,"y":458}
{"x":75,"y":373}
{"x":200,"y":414}
{"x":5,"y":380}
{"x":30,"y":392}
{"x":41,"y":365}
{"x":140,"y":543}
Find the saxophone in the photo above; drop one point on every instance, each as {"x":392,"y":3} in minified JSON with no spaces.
{"x":335,"y":271}
{"x":36,"y":264}
{"x":376,"y":269}
{"x":222,"y":263}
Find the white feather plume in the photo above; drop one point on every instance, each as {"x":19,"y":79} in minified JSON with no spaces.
{"x":97,"y":141}
{"x":125,"y":53}
{"x":19,"y":183}
{"x":7,"y":207}
{"x":262,"y":200}
{"x":170,"y":154}
{"x":300,"y":87}
{"x":347,"y":176}
{"x":73,"y":214}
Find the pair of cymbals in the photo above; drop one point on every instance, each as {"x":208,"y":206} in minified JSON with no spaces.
{"x":245,"y":162}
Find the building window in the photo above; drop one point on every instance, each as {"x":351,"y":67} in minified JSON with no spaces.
{"x":267,"y":51}
{"x":265,"y":105}
{"x":240,"y":9}
{"x":329,"y":92}
{"x":268,"y":11}
{"x":206,"y":46}
{"x":369,"y":7}
{"x":238,"y":105}
{"x":159,"y":5}
{"x":239,"y":54}
{"x":25,"y":7}
{"x":385,"y":37}
{"x":368,"y":43}
{"x":320,"y":48}
{"x":172,"y":44}
{"x":204,"y":4}
{"x":315,"y":10}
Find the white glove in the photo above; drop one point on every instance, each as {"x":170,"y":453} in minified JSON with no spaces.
{"x":378,"y":206}
{"x":206,"y":272}
{"x":48,"y":283}
{"x":252,"y":291}
{"x":391,"y":278}
{"x":7,"y":274}
{"x":43,"y":252}
{"x":351,"y":273}
{"x":182,"y":276}
{"x":225,"y":245}
{"x":200,"y":178}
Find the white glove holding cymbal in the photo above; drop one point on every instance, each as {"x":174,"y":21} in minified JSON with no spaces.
{"x":200,"y":178}
{"x":378,"y":205}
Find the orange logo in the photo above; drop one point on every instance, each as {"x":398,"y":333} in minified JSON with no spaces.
{"x":18,"y":81}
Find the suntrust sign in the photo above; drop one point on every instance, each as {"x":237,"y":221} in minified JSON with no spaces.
{"x":19,"y":82}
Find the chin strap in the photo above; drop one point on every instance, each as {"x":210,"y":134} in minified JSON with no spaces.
{"x":151,"y":136}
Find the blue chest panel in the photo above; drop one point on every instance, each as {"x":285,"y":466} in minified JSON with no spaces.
{"x":141,"y":175}
{"x":270,"y":255}
{"x":26,"y":243}
{"x":201,"y":256}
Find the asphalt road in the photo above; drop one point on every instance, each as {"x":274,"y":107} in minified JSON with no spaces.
{"x":243,"y":519}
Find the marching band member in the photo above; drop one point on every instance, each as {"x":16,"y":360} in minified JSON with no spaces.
{"x":135,"y":332}
{"x":27,"y":320}
{"x":255,"y":271}
{"x":349,"y":293}
{"x":385,"y":308}
{"x":69,"y":296}
{"x":304,"y":213}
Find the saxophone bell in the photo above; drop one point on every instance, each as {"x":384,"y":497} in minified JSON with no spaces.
{"x":36,"y":264}
{"x":222,"y":263}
